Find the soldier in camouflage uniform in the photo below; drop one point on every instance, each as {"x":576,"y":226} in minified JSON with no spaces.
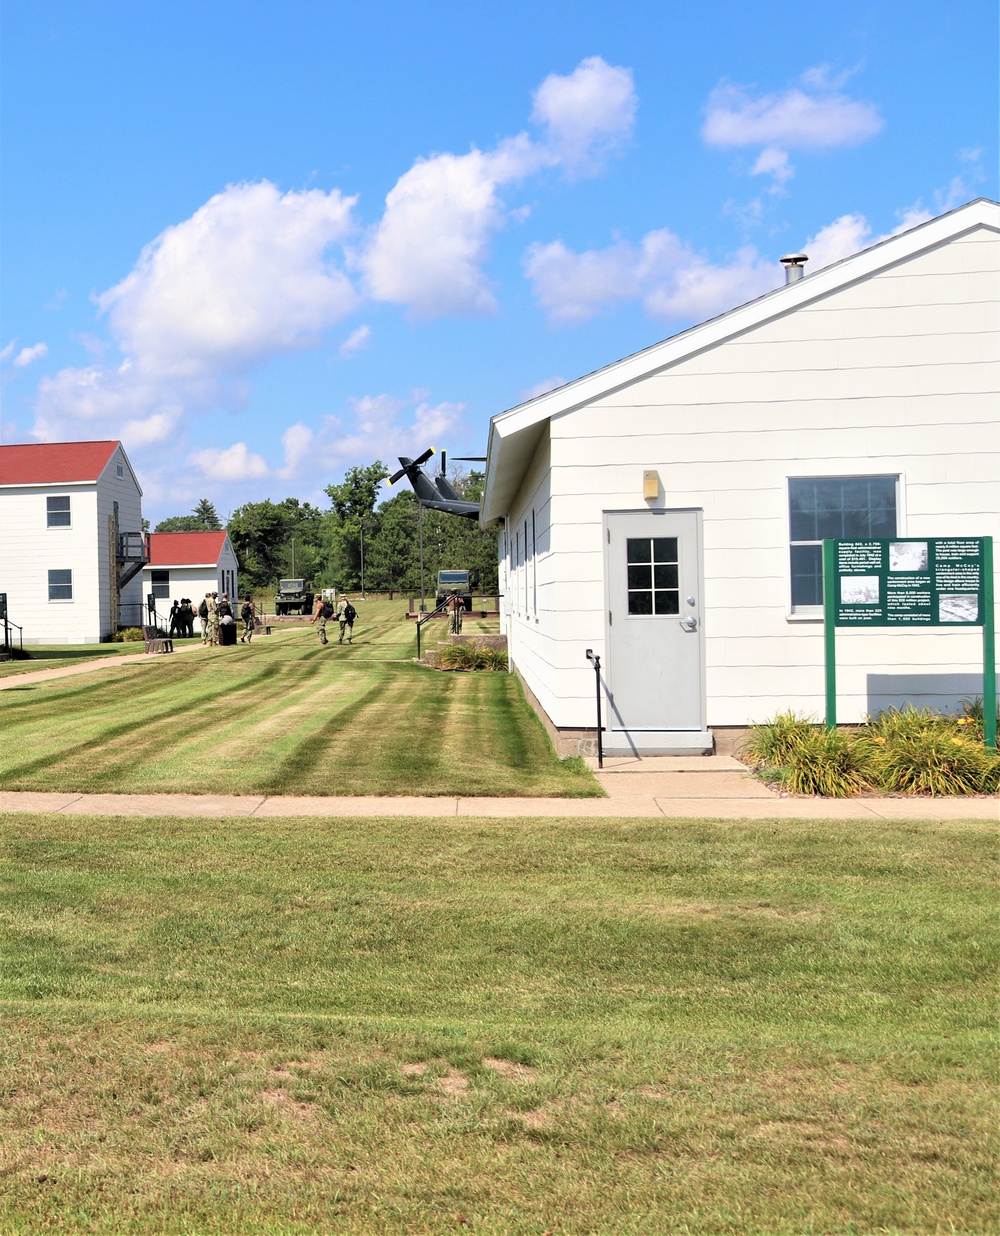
{"x":320,"y":615}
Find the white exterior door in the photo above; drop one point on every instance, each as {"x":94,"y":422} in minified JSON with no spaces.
{"x":655,"y":643}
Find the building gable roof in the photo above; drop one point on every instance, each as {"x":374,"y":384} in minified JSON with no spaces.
{"x":54,"y":463}
{"x":183,"y":549}
{"x":515,"y":434}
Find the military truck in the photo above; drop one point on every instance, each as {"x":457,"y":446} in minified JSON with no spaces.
{"x":292,"y":597}
{"x":451,"y":582}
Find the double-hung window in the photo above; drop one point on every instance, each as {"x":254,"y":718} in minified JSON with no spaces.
{"x":841,"y":507}
{"x":60,"y":585}
{"x":57,"y":511}
{"x":160,"y":585}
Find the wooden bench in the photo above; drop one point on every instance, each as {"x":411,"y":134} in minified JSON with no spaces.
{"x":155,"y":641}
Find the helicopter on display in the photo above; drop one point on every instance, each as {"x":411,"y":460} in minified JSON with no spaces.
{"x":438,"y":494}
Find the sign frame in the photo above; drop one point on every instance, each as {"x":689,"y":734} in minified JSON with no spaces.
{"x":907,"y":595}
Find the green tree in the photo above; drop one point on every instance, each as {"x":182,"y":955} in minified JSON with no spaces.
{"x":353,"y":510}
{"x":207,"y":515}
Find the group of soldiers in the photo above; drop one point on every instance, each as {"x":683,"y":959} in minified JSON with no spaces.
{"x":345,"y":613}
{"x":213,"y":612}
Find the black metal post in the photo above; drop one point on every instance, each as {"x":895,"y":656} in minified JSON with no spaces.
{"x":593,"y":657}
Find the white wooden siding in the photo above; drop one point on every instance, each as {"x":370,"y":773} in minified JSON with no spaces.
{"x":897,"y":374}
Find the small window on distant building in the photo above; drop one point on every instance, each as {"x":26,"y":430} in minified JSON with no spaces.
{"x":57,"y":510}
{"x":833,"y":507}
{"x":120,"y":469}
{"x":160,"y":581}
{"x":60,"y":585}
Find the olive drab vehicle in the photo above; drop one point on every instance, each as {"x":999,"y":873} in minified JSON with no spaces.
{"x":452,"y":583}
{"x":292,"y":597}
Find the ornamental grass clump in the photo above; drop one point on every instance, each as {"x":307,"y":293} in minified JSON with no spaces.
{"x":471,"y":657}
{"x":900,"y":751}
{"x":917,"y":751}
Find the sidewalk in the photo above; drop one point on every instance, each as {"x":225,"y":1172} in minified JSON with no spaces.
{"x":713,"y":805}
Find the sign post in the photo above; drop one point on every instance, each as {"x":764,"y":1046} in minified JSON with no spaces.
{"x":911,"y":583}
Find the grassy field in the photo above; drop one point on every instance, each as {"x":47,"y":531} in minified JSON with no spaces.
{"x":285,"y":715}
{"x":499,"y":1026}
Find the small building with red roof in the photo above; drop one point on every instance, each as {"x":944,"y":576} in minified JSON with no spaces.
{"x":189,"y":564}
{"x":72,"y":546}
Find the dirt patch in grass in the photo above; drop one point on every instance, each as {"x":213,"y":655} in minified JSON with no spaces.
{"x":511,"y":1071}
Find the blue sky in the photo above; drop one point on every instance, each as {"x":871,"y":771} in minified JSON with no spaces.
{"x":262,"y":242}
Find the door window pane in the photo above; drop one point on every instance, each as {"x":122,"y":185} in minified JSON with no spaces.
{"x":652,"y":575}
{"x":57,"y":512}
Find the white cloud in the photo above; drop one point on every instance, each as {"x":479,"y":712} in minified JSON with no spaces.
{"x":235,"y":463}
{"x":297,"y":441}
{"x":773,"y":162}
{"x":540,"y":388}
{"x":837,"y":240}
{"x":588,"y":114}
{"x":27,"y":355}
{"x":355,"y":341}
{"x":247,"y":277}
{"x":814,"y":118}
{"x":7,"y":351}
{"x":672,"y":281}
{"x":429,"y":249}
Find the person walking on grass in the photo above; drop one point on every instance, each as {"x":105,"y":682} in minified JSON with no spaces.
{"x":176,"y":620}
{"x":249,"y":615}
{"x":213,"y":618}
{"x":346,"y":613}
{"x":322,"y":611}
{"x":203,"y":616}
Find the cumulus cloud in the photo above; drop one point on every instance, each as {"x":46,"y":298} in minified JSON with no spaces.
{"x":540,"y":388}
{"x":27,"y":355}
{"x":234,"y":463}
{"x":247,"y":277}
{"x":672,"y":281}
{"x":7,"y":351}
{"x":806,"y":117}
{"x":429,"y":249}
{"x":588,"y":114}
{"x":813,"y":114}
{"x":355,"y":341}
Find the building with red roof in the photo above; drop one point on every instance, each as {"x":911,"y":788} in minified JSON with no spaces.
{"x":188,"y":564}
{"x":72,"y":548}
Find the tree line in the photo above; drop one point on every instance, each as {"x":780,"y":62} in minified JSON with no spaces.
{"x":329,"y":547}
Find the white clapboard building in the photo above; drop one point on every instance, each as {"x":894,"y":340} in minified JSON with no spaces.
{"x":667,"y":510}
{"x":71,"y":543}
{"x":188,"y":564}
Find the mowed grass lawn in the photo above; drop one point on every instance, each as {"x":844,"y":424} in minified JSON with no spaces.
{"x":285,"y":715}
{"x":399,"y":1026}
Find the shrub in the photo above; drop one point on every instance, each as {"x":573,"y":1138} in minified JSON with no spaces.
{"x":471,"y":657}
{"x":772,"y":744}
{"x":933,"y":761}
{"x":128,"y":635}
{"x":901,"y":751}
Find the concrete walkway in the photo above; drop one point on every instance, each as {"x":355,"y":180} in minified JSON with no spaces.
{"x":619,"y":806}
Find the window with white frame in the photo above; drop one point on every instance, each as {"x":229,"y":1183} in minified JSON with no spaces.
{"x":160,"y":585}
{"x":833,"y":507}
{"x":57,"y":511}
{"x":60,"y":585}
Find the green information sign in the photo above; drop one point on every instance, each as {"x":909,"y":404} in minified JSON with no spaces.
{"x":911,"y":583}
{"x":936,"y":582}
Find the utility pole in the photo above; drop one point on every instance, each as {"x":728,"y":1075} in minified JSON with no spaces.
{"x":362,"y":558}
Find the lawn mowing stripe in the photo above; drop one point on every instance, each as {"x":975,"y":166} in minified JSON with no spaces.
{"x":132,"y":727}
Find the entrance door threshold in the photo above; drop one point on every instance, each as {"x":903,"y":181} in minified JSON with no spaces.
{"x":659,"y":742}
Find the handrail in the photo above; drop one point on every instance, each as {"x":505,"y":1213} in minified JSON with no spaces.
{"x":7,"y":624}
{"x":427,"y":617}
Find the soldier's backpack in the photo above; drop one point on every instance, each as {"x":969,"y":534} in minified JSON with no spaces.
{"x":246,"y":613}
{"x":350,"y":613}
{"x":203,"y":610}
{"x":327,"y":610}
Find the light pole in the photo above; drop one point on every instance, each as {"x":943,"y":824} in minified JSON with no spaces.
{"x":420,"y":522}
{"x":362,"y":558}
